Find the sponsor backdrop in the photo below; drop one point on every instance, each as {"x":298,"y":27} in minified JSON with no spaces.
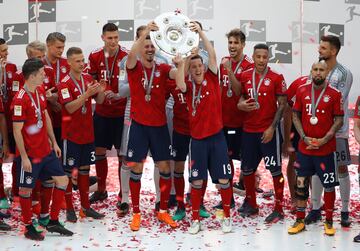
{"x":291,"y":28}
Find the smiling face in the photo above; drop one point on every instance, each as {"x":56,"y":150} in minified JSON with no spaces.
{"x":4,"y":51}
{"x":148,"y":52}
{"x":76,"y":62}
{"x":197,"y":70}
{"x":261,"y":59}
{"x":235,"y":47}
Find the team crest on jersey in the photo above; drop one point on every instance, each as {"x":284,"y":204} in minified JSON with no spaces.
{"x":267,"y":82}
{"x":9,"y":74}
{"x":130,"y":153}
{"x":71,"y":161}
{"x":28,"y":180}
{"x":204,"y":83}
{"x":17,"y":110}
{"x":157,"y":74}
{"x":326,"y":98}
{"x":239,"y":71}
{"x":194,"y":172}
{"x":63,"y":69}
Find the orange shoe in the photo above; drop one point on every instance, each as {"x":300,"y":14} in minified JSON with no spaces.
{"x":166,"y":218}
{"x":135,"y":223}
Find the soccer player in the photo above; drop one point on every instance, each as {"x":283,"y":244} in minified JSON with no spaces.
{"x":357,"y":137}
{"x":55,"y":43}
{"x":75,"y":94}
{"x":230,"y":71}
{"x":264,"y":92}
{"x":147,"y":81}
{"x":4,"y":154}
{"x":208,"y":150}
{"x":340,"y":78}
{"x":317,"y":116}
{"x":108,"y":116}
{"x":35,"y":158}
{"x":8,"y":89}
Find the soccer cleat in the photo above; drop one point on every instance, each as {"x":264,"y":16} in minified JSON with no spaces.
{"x":313,"y":217}
{"x":274,"y":217}
{"x":166,"y":218}
{"x":179,"y":214}
{"x":249,"y":211}
{"x":135,"y":223}
{"x":71,"y":216}
{"x":37,"y":226}
{"x":357,"y":238}
{"x":172,"y":201}
{"x":243,"y":206}
{"x":329,"y":229}
{"x":122,"y":209}
{"x":32,"y":234}
{"x":4,"y":204}
{"x":226,"y":225}
{"x":157,"y":206}
{"x":4,"y":226}
{"x":44,"y":221}
{"x":54,"y":226}
{"x":345,"y":220}
{"x":297,"y":227}
{"x":238,"y":187}
{"x":195,"y":227}
{"x":90,"y":213}
{"x":98,"y":196}
{"x":203,"y":212}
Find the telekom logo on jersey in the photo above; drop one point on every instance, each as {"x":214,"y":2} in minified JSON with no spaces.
{"x":181,"y":98}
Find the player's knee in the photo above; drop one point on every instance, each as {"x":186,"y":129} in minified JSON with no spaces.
{"x":165,"y":176}
{"x":47,"y":184}
{"x":197,"y":184}
{"x":247,"y":172}
{"x":329,"y":189}
{"x":302,"y":188}
{"x":135,"y":176}
{"x":100,"y":151}
{"x":163,"y":166}
{"x":276,"y":172}
{"x":61,"y":181}
{"x":178,"y":175}
{"x":224,"y":183}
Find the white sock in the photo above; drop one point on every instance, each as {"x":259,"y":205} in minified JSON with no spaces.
{"x":156,"y":182}
{"x":125,"y":178}
{"x":316,"y":192}
{"x":345,"y":192}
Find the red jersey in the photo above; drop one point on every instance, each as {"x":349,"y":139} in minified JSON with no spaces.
{"x":78,"y":126}
{"x":98,"y":69}
{"x":36,"y":140}
{"x":357,"y":109}
{"x":232,"y":116}
{"x":208,"y":118}
{"x":291,"y":91}
{"x":273,"y":85}
{"x":9,"y":91}
{"x":181,"y":111}
{"x":152,"y":112}
{"x":60,"y":68}
{"x":330,"y":105}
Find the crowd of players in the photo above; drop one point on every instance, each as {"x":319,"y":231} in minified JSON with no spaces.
{"x":185,"y":110}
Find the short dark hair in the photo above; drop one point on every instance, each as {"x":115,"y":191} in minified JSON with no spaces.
{"x":54,"y":36}
{"x":237,"y":33}
{"x":31,"y":66}
{"x":2,"y":41}
{"x":197,"y":57}
{"x":261,"y":47}
{"x":139,"y":30}
{"x":333,"y":41}
{"x":109,"y":27}
{"x":72,"y":51}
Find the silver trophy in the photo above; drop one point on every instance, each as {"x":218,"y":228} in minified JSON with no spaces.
{"x":174,"y":35}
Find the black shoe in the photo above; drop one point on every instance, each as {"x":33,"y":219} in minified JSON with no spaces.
{"x":4,"y":215}
{"x":357,"y":238}
{"x":188,"y":199}
{"x":172,"y":201}
{"x":274,"y":217}
{"x":157,"y":206}
{"x":91,"y":213}
{"x":98,"y":196}
{"x":345,"y":220}
{"x":122,"y":208}
{"x":243,"y":206}
{"x":249,"y":211}
{"x":4,"y":226}
{"x":71,"y":216}
{"x":32,"y":234}
{"x":54,"y":226}
{"x":239,"y":186}
{"x":220,"y":206}
{"x":313,"y":217}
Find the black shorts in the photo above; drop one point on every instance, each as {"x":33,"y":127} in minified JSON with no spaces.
{"x":108,"y":131}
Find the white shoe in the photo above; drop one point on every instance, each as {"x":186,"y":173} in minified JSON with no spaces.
{"x":226,"y":225}
{"x":195,"y":227}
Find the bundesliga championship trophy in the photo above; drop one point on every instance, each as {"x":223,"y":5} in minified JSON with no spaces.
{"x":174,"y":35}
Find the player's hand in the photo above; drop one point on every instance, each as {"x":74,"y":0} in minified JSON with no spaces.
{"x":267,"y":135}
{"x":311,"y":143}
{"x":227,"y":64}
{"x":57,"y":150}
{"x":2,"y":63}
{"x":195,"y":27}
{"x":178,"y":60}
{"x":92,"y":89}
{"x":194,"y":51}
{"x":5,"y":149}
{"x":103,"y":85}
{"x":50,"y":96}
{"x":26,"y":164}
{"x":247,"y":105}
{"x":152,"y":26}
{"x":109,"y":95}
